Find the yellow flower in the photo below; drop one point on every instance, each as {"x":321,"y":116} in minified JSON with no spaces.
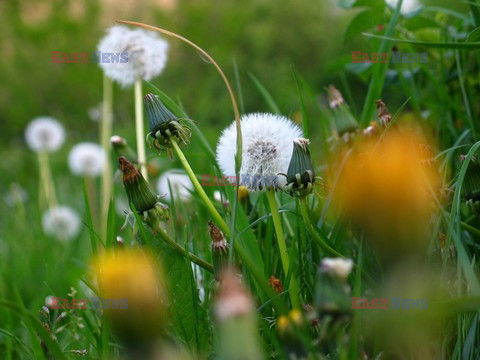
{"x":388,"y":186}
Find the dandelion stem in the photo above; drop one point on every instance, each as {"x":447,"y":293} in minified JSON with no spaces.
{"x":47,"y":180}
{"x":139,"y":127}
{"x":105,"y":134}
{"x":314,"y":234}
{"x":251,"y":266}
{"x":282,"y":247}
{"x":157,"y":229}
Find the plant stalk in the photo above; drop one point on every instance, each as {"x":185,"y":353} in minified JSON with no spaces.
{"x":282,"y":247}
{"x":105,"y":134}
{"x":47,"y":180}
{"x":140,"y":129}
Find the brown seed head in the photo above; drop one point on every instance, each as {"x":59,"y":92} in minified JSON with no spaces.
{"x":129,"y":172}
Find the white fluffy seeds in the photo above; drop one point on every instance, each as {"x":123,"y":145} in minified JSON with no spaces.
{"x":179,"y":182}
{"x":147,"y":54}
{"x":86,"y":159}
{"x":267,"y":149}
{"x":62,"y":222}
{"x":44,"y":134}
{"x":337,"y":266}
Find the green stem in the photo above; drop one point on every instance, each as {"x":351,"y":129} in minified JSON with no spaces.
{"x":329,"y":250}
{"x":200,"y":262}
{"x":47,"y":180}
{"x":196,"y":184}
{"x":140,"y":131}
{"x":282,"y":247}
{"x":249,"y":263}
{"x":105,"y":134}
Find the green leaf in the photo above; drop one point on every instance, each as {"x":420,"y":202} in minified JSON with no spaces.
{"x":474,"y":36}
{"x":441,"y":45}
{"x":363,"y":21}
{"x":265,"y":94}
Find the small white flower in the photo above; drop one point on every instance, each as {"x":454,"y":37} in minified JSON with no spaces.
{"x":86,"y":159}
{"x":62,"y":222}
{"x":44,"y":134}
{"x":147,"y":54}
{"x":337,"y":266}
{"x":408,"y":6}
{"x":179,"y":182}
{"x":267,"y":149}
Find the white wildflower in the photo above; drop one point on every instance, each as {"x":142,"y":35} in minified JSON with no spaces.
{"x":408,"y":6}
{"x":87,"y":159}
{"x":267,"y":149}
{"x":337,"y":266}
{"x":62,"y":222}
{"x":44,"y":134}
{"x":147,"y":54}
{"x":179,"y":182}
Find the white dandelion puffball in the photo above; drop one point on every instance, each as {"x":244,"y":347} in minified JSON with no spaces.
{"x":146,"y":54}
{"x":408,"y":6}
{"x":87,"y":159}
{"x":337,"y":266}
{"x":267,"y":149}
{"x":62,"y":222}
{"x":44,"y":134}
{"x":179,"y":182}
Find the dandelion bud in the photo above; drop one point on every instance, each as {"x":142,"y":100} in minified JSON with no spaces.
{"x":121,"y":148}
{"x":235,"y":313}
{"x":139,"y":192}
{"x":163,"y":124}
{"x":344,"y":120}
{"x":300,"y":174}
{"x":219,"y":249}
{"x":383,"y":114}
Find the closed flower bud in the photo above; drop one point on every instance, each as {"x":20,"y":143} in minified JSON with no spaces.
{"x":219,"y":249}
{"x":344,"y":120}
{"x":163,"y":124}
{"x":300,"y":174}
{"x":139,"y":192}
{"x":383,"y":113}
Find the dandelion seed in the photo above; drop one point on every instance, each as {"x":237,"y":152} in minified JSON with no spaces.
{"x":44,"y":134}
{"x":62,"y":222}
{"x":179,"y":182}
{"x":337,"y":266}
{"x":147,"y":54}
{"x":267,"y":149}
{"x":87,"y":159}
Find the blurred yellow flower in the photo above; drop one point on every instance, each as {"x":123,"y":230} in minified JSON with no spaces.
{"x":134,"y":276}
{"x":388,"y":185}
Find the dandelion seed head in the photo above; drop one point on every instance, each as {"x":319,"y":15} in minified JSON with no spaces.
{"x":147,"y":54}
{"x":62,"y":222}
{"x":337,"y":266}
{"x":267,"y":149}
{"x":179,"y":182}
{"x":86,"y":159}
{"x":44,"y":134}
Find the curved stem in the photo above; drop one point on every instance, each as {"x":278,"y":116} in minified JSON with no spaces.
{"x":105,"y":134}
{"x":140,"y":131}
{"x":282,"y":247}
{"x":329,"y":250}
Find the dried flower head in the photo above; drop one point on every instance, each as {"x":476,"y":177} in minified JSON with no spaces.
{"x":164,"y":125}
{"x":267,"y":149}
{"x":219,"y":249}
{"x":146,"y":54}
{"x":344,"y":120}
{"x":62,"y":222}
{"x":87,"y":159}
{"x":383,"y":114}
{"x":276,"y":284}
{"x":44,"y":134}
{"x":300,"y":175}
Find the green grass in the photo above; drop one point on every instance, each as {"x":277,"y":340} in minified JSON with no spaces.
{"x":441,"y":97}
